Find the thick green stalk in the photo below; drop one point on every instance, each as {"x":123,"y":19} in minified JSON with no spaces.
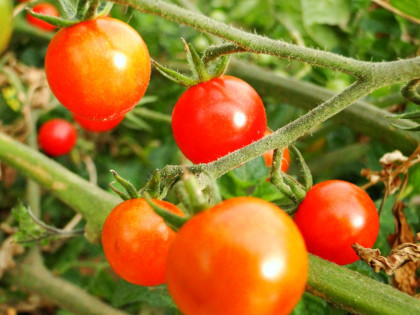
{"x":357,"y":293}
{"x":32,"y":275}
{"x":384,"y":73}
{"x":84,"y":197}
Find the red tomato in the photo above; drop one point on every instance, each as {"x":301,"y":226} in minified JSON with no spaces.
{"x":214,"y":118}
{"x":97,"y":125}
{"x":136,"y":241}
{"x":333,"y":216}
{"x":46,"y":9}
{"x":268,"y":157}
{"x":98,"y":69}
{"x":243,"y":256}
{"x":57,"y":137}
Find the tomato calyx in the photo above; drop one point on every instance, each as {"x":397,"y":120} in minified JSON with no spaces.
{"x":201,"y":71}
{"x":72,"y":14}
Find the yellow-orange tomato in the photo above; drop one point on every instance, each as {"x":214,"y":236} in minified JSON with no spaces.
{"x":242,"y":256}
{"x":136,"y":241}
{"x":97,"y":125}
{"x":98,"y":69}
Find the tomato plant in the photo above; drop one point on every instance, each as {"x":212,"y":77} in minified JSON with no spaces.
{"x":333,"y":216}
{"x":98,"y":69}
{"x":97,"y":125}
{"x":242,"y":256}
{"x":285,"y":162}
{"x":57,"y":137}
{"x":5,"y":23}
{"x":46,"y":9}
{"x":214,"y":118}
{"x":136,"y":241}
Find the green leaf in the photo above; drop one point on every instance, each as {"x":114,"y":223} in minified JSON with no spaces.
{"x":127,"y":293}
{"x":29,"y":231}
{"x":409,"y":7}
{"x":330,"y":12}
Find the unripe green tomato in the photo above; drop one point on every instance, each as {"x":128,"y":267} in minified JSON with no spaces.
{"x":5,"y":23}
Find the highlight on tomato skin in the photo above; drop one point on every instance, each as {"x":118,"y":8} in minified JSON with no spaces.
{"x":217,"y":117}
{"x":98,"y":69}
{"x":136,"y":241}
{"x":242,"y":256}
{"x":333,"y":216}
{"x":46,"y":9}
{"x":57,"y":137}
{"x":97,"y":125}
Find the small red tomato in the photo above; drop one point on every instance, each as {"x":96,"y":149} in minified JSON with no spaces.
{"x":97,"y":125}
{"x":333,"y":216}
{"x":136,"y":241}
{"x":214,"y":118}
{"x":268,"y":157}
{"x":57,"y":137}
{"x":46,"y":9}
{"x":98,"y":69}
{"x":242,"y":256}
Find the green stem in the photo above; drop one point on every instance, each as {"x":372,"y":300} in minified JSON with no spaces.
{"x":33,"y":276}
{"x":84,"y":197}
{"x":406,"y":69}
{"x":410,"y":91}
{"x":357,"y":293}
{"x":214,"y":52}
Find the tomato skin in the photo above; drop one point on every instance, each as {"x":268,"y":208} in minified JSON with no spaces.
{"x":97,"y":125}
{"x":57,"y":137}
{"x":136,"y":241}
{"x":6,"y":24}
{"x":214,"y":118}
{"x":98,"y":69}
{"x":43,"y":8}
{"x":242,"y":256}
{"x":333,"y":216}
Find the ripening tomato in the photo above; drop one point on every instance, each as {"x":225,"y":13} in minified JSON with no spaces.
{"x":57,"y":137}
{"x":214,"y":118}
{"x":46,"y":9}
{"x":98,"y":69}
{"x":5,"y":23}
{"x":333,"y":216}
{"x":268,"y":156}
{"x":97,"y":125}
{"x":136,"y":241}
{"x":242,"y":256}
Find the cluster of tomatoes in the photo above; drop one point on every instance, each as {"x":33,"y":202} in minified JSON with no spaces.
{"x":241,"y":256}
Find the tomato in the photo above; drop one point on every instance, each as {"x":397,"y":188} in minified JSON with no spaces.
{"x":46,"y":9}
{"x":136,"y":241}
{"x":242,"y":256}
{"x":214,"y":118}
{"x":98,"y":69}
{"x":5,"y":23}
{"x":57,"y":137}
{"x":97,"y":125}
{"x":333,"y":216}
{"x":268,"y":157}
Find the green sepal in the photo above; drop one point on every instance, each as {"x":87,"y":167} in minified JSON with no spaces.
{"x":415,"y":128}
{"x":124,"y":196}
{"x":198,"y":200}
{"x":410,"y":115}
{"x":197,"y":66}
{"x":173,"y":75}
{"x":104,"y":8}
{"x":153,"y":185}
{"x":129,"y":187}
{"x":174,"y":221}
{"x":218,"y":67}
{"x":57,"y":21}
{"x":68,"y":7}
